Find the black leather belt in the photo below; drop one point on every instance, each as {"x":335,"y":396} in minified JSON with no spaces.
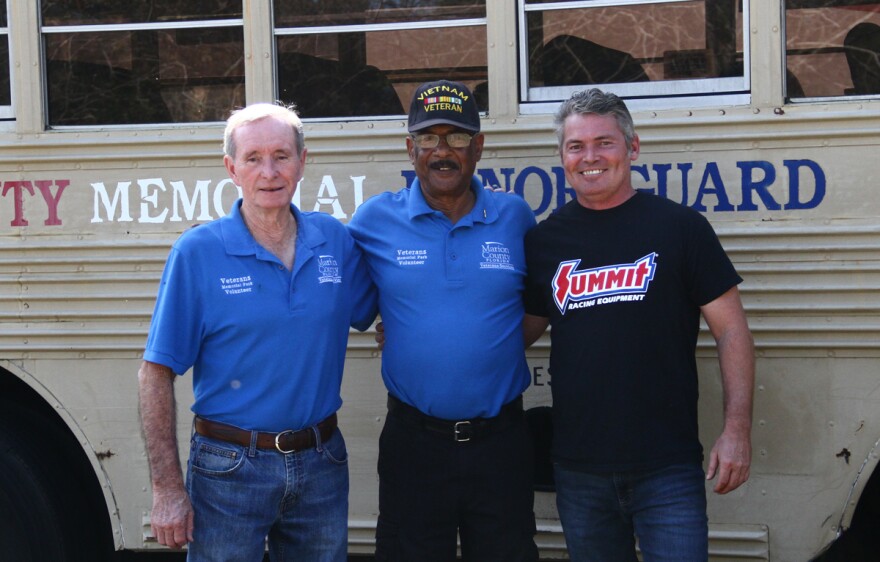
{"x":460,"y":431}
{"x":288,"y":441}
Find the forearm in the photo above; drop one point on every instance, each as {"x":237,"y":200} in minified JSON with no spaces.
{"x":736,"y":355}
{"x":158,"y":420}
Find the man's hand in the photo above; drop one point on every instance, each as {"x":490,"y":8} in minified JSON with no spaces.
{"x":380,"y":335}
{"x":172,"y":518}
{"x":730,"y":460}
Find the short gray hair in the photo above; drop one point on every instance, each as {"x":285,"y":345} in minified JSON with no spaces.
{"x":258,"y":111}
{"x":595,"y":102}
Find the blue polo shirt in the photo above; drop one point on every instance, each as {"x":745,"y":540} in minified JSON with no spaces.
{"x":266,"y":345}
{"x":450,"y":297}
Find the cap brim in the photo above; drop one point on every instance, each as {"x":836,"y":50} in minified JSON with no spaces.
{"x":440,"y":121}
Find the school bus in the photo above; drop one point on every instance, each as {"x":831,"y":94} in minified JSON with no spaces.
{"x":764,"y":115}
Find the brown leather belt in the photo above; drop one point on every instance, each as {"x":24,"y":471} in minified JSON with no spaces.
{"x":287,"y":441}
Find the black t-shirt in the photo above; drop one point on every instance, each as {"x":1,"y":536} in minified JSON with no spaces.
{"x":622,"y":288}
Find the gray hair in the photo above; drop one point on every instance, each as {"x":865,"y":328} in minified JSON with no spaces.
{"x":258,"y":111}
{"x":595,"y":102}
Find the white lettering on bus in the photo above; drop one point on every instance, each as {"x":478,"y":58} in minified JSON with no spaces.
{"x":327,"y":195}
{"x":120,"y":197}
{"x":117,"y":209}
{"x":758,"y":186}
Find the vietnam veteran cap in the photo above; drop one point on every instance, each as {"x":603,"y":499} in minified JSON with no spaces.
{"x":443,"y":103}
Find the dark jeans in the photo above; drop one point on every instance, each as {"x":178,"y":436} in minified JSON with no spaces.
{"x":603,"y":513}
{"x":431,"y":488}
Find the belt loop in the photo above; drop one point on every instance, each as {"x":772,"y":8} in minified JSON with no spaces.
{"x":319,"y":446}
{"x":252,"y":450}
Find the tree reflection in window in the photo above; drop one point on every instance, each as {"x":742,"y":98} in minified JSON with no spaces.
{"x":350,"y":58}
{"x":140,"y":63}
{"x":832,"y":48}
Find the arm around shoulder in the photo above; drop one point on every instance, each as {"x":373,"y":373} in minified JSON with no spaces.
{"x":533,"y":327}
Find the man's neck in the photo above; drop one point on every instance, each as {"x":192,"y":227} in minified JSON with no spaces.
{"x":453,"y":206}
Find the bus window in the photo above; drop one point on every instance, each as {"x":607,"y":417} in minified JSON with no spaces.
{"x":359,"y":58}
{"x":636,"y":49}
{"x":832,"y":48}
{"x":117,"y":62}
{"x":5,"y":83}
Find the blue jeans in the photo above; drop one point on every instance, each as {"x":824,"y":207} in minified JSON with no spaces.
{"x":241,"y":495}
{"x":603,"y":513}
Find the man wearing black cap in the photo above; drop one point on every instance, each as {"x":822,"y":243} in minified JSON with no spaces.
{"x":447,"y":257}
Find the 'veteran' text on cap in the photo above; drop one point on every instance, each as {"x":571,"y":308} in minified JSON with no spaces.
{"x":443,"y":103}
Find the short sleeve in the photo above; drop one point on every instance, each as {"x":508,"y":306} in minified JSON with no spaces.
{"x":174,"y":336}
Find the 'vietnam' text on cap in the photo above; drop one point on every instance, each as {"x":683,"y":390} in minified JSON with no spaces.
{"x":443,"y":103}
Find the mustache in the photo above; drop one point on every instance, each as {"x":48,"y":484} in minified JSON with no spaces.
{"x":443,"y":164}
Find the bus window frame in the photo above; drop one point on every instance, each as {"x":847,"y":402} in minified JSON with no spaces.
{"x":661,"y":94}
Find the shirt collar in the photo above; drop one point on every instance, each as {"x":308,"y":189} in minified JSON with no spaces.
{"x":239,"y":241}
{"x":484,"y":210}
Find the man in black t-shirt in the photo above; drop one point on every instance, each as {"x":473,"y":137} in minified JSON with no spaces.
{"x":623,"y":278}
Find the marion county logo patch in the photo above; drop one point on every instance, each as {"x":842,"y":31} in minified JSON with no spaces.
{"x":602,"y":285}
{"x":495,"y":255}
{"x":328,"y":270}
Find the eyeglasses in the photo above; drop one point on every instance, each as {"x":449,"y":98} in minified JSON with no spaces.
{"x":454,"y":140}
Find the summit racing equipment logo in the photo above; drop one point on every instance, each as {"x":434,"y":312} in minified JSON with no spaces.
{"x":581,"y":289}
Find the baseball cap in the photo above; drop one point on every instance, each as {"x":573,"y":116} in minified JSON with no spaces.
{"x":443,"y":103}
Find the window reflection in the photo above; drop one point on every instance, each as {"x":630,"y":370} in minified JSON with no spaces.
{"x":97,"y":12}
{"x":153,"y":76}
{"x":370,"y":72}
{"x":294,"y":13}
{"x":832,"y":48}
{"x":5,"y":91}
{"x":634,"y":43}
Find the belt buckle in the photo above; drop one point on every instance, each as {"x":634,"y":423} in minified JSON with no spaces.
{"x":463,"y":431}
{"x":278,"y":443}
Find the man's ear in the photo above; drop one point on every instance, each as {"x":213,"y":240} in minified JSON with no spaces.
{"x":411,"y":150}
{"x":478,"y":141}
{"x":229,"y":163}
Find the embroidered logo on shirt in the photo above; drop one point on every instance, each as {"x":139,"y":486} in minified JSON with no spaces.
{"x":495,"y":256}
{"x":602,"y":285}
{"x":236,"y":285}
{"x":412,"y":257}
{"x":328,"y":270}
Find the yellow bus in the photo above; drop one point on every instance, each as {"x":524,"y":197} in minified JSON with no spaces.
{"x":762,"y":114}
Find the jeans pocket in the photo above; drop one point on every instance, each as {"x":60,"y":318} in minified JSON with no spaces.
{"x":215,"y":458}
{"x":334,"y":449}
